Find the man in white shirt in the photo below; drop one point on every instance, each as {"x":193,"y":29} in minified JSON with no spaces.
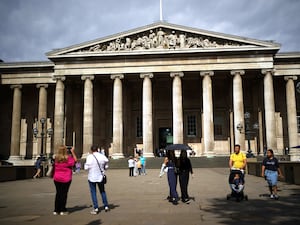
{"x":96,"y":164}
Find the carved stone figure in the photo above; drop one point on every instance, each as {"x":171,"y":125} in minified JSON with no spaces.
{"x":165,"y":39}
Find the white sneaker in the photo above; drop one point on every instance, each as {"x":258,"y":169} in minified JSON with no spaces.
{"x":64,"y":213}
{"x":95,"y":211}
{"x":106,"y":208}
{"x":272,"y":196}
{"x":55,"y":213}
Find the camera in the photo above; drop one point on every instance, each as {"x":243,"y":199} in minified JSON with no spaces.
{"x":69,"y":149}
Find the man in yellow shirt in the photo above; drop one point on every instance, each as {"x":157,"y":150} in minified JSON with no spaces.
{"x":238,"y":159}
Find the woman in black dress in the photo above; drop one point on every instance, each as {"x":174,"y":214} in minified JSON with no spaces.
{"x":185,"y":168}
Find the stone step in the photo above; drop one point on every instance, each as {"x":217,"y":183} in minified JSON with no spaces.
{"x":155,"y":163}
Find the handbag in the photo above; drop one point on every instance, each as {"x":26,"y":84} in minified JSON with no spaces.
{"x":104,"y":179}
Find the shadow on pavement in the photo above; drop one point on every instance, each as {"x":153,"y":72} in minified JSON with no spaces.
{"x":95,"y":222}
{"x":111,"y":207}
{"x":260,"y":210}
{"x":77,"y":208}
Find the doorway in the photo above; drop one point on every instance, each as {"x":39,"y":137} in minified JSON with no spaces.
{"x":165,"y":137}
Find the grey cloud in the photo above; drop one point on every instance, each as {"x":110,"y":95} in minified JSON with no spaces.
{"x":31,"y":28}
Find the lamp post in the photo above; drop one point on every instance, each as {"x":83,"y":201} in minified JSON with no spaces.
{"x":48,"y":132}
{"x":248,"y":130}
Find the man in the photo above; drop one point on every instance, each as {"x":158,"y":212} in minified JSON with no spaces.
{"x":270,"y":170}
{"x":96,"y":164}
{"x":238,"y":159}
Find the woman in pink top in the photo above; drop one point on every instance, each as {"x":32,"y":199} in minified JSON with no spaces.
{"x":63,"y":165}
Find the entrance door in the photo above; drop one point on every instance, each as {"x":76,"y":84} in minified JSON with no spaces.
{"x":165,"y":137}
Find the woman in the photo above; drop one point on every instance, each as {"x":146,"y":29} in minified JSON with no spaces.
{"x":38,"y":167}
{"x":171,"y":163}
{"x":270,"y":170}
{"x":63,"y":164}
{"x":185,"y":168}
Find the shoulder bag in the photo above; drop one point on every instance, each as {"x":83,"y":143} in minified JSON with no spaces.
{"x":104,"y":179}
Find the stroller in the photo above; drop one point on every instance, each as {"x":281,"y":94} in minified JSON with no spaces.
{"x":237,"y":183}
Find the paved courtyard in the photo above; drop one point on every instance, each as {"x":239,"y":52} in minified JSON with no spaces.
{"x":142,"y":201}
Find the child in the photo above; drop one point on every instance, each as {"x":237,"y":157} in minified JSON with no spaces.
{"x":237,"y":183}
{"x":78,"y":166}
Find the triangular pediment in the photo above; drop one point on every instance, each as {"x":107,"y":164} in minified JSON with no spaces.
{"x":162,"y":37}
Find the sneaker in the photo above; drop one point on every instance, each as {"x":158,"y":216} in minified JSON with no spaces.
{"x":276,"y":197}
{"x":55,"y":213}
{"x":64,"y":213}
{"x":187,"y":201}
{"x":95,"y":211}
{"x":174,"y":201}
{"x":272,"y":196}
{"x":106,"y":208}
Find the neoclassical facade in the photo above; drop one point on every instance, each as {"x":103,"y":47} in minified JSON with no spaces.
{"x":150,"y":87}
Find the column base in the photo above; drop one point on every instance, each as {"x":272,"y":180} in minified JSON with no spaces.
{"x":295,"y":157}
{"x":20,"y":161}
{"x":117,"y":156}
{"x":84,"y":155}
{"x":209,"y":154}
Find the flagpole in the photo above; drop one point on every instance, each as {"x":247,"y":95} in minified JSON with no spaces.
{"x":161,"y":13}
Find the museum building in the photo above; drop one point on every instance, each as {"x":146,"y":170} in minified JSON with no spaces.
{"x":150,"y":87}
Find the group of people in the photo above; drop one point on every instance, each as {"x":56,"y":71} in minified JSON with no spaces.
{"x":137,"y":166}
{"x":270,"y":169}
{"x":64,"y":161}
{"x":97,"y":163}
{"x":177,"y":168}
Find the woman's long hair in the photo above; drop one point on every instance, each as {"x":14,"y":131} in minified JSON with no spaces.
{"x":62,"y":154}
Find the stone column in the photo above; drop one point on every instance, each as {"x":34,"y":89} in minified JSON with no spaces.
{"x":117,"y":148}
{"x":59,"y":112}
{"x":238,"y":107}
{"x":177,"y":108}
{"x":16,"y":124}
{"x":208,"y":118}
{"x":270,"y":110}
{"x":87,"y":114}
{"x":291,"y":112}
{"x":147,"y":115}
{"x":42,"y":113}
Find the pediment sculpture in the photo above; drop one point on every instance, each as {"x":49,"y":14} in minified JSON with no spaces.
{"x":159,"y":40}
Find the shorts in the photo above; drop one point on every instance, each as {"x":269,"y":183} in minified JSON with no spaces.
{"x":271,"y":177}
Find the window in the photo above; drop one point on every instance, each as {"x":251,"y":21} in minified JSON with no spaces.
{"x":139,"y":127}
{"x":218,"y":129}
{"x":191,"y":126}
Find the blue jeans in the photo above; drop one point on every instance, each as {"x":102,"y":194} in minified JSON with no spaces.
{"x":93,"y":190}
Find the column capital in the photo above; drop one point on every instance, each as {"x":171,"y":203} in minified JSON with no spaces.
{"x":207,"y":73}
{"x":174,"y":74}
{"x":119,"y":75}
{"x":143,"y":75}
{"x":286,"y":78}
{"x":59,"y":77}
{"x":15,"y":86}
{"x":265,"y":71}
{"x":89,"y":77}
{"x":240,"y":72}
{"x":42,"y":85}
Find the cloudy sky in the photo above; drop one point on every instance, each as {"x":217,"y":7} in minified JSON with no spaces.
{"x":30,"y":28}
